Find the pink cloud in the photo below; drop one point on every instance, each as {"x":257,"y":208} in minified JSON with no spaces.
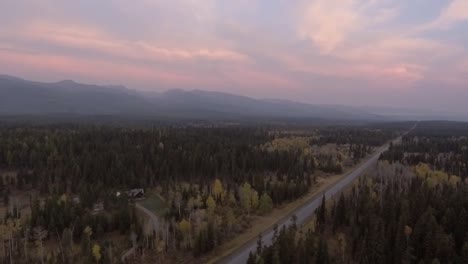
{"x":331,"y":23}
{"x":374,"y":72}
{"x":456,"y":11}
{"x":93,"y":39}
{"x":327,"y":22}
{"x":232,"y":75}
{"x":98,"y":69}
{"x":398,"y":49}
{"x":236,"y":70}
{"x":191,"y":45}
{"x":187,"y":54}
{"x":349,"y":46}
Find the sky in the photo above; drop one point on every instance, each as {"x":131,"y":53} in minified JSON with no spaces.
{"x":395,"y":53}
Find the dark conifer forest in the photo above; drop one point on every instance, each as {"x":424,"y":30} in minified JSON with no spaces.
{"x":68,"y":184}
{"x":68,"y":193}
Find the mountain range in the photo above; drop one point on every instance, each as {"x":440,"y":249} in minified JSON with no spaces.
{"x":19,"y":97}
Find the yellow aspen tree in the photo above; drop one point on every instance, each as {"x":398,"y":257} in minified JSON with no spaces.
{"x":218,"y":190}
{"x":210,"y":204}
{"x":246,"y":197}
{"x":97,"y":252}
{"x":254,"y":199}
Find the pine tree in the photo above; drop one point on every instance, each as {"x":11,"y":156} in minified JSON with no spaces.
{"x":259,"y":244}
{"x":408,"y":256}
{"x":375,"y":240}
{"x":340,"y":212}
{"x":301,"y":252}
{"x":276,"y":258}
{"x":464,"y":253}
{"x":322,"y":253}
{"x":252,"y":259}
{"x":461,"y":229}
{"x":322,"y":214}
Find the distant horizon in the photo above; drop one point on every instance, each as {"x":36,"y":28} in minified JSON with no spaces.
{"x":377,"y":109}
{"x":259,"y":97}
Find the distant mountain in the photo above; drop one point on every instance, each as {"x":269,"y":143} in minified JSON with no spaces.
{"x":200,"y":103}
{"x":23,"y":97}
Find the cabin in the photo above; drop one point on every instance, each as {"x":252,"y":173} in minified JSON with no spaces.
{"x":136,"y":194}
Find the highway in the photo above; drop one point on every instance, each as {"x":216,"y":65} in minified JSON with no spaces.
{"x":305,"y":212}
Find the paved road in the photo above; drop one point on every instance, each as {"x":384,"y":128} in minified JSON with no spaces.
{"x":305,"y":212}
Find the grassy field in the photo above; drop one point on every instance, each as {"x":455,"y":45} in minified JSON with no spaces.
{"x":154,"y":203}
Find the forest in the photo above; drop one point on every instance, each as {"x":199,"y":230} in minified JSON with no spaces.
{"x":413,"y":208}
{"x":66,"y":185}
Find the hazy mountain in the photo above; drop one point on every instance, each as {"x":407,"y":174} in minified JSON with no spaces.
{"x":22,"y":97}
{"x":416,"y":114}
{"x":195,"y":102}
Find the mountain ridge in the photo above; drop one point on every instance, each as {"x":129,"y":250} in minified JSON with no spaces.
{"x":23,"y":97}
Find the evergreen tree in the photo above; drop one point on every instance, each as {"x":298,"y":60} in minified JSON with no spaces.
{"x":252,"y":259}
{"x":322,"y":214}
{"x":322,"y":252}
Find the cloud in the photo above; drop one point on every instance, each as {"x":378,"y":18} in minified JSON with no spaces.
{"x":192,"y":54}
{"x":383,"y":59}
{"x":374,"y":72}
{"x":81,"y":37}
{"x":456,"y":11}
{"x":228,"y":75}
{"x":269,"y":48}
{"x":399,"y":48}
{"x":48,"y":64}
{"x":364,"y":39}
{"x":330,"y":23}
